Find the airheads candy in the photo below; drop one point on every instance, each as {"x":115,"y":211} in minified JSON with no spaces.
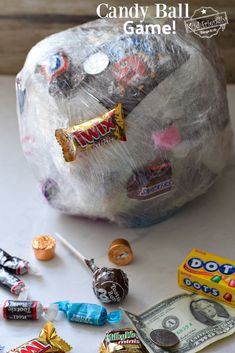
{"x":208,"y":274}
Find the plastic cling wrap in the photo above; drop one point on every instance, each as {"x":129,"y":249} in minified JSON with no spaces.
{"x":171,"y":89}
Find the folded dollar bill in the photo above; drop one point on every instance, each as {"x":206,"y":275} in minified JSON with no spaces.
{"x":196,"y":320}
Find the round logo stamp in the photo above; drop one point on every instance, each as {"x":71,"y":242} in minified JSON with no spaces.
{"x":170,"y":323}
{"x":206,"y":22}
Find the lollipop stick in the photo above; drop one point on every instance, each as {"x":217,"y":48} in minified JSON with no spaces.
{"x":88,"y":263}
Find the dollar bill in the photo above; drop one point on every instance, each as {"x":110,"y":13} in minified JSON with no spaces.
{"x":196,"y":320}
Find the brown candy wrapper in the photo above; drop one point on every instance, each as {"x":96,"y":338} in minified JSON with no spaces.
{"x":48,"y":341}
{"x":87,"y":135}
{"x":122,"y":340}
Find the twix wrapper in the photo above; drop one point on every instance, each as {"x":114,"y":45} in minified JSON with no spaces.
{"x":48,"y":341}
{"x":123,"y":341}
{"x":87,"y":135}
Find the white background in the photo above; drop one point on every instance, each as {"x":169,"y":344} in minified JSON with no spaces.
{"x":207,"y":223}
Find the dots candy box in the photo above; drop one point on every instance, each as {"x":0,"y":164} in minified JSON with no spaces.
{"x":208,"y":274}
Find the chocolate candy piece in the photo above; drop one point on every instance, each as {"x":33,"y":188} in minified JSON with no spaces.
{"x":87,"y":135}
{"x":164,"y":338}
{"x":11,"y":282}
{"x":13,"y":264}
{"x":91,"y":314}
{"x":228,"y":297}
{"x":26,"y":310}
{"x":44,"y":247}
{"x":151,"y":181}
{"x":120,"y":252}
{"x":110,"y":285}
{"x":216,"y":279}
{"x":122,"y":340}
{"x":48,"y":341}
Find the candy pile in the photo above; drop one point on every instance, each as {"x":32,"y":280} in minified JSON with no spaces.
{"x":123,"y":127}
{"x":9,"y":267}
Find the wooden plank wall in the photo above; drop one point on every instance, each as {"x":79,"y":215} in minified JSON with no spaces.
{"x":24,"y":22}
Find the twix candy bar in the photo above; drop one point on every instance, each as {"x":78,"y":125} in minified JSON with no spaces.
{"x":48,"y":341}
{"x":87,"y":135}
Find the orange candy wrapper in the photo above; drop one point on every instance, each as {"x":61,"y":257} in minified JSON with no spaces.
{"x":87,"y":135}
{"x":48,"y":341}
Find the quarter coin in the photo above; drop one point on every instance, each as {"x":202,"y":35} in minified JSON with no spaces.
{"x":164,"y":338}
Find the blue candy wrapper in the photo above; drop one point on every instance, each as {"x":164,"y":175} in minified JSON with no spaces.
{"x":91,"y":314}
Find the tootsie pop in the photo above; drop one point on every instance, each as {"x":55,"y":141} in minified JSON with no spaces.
{"x":110,"y":285}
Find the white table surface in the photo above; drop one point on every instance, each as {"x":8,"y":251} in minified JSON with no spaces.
{"x":207,"y":223}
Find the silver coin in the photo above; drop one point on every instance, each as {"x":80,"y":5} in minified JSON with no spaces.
{"x":96,"y":63}
{"x":164,"y":338}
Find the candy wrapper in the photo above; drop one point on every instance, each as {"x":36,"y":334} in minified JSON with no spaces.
{"x":11,"y":282}
{"x":91,"y":314}
{"x":175,"y":120}
{"x":27,"y":310}
{"x":48,"y":341}
{"x":15,"y":265}
{"x":123,"y":340}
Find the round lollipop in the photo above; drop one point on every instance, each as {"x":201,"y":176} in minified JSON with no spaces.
{"x":110,"y":285}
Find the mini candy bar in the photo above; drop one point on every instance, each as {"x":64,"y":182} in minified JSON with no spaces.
{"x":96,"y":131}
{"x":120,"y":252}
{"x":14,"y":264}
{"x":48,"y":341}
{"x":8,"y":280}
{"x":152,"y":181}
{"x":123,"y":340}
{"x":91,"y":314}
{"x":208,"y":274}
{"x":27,"y":310}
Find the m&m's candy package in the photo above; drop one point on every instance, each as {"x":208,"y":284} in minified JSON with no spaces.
{"x":123,"y":127}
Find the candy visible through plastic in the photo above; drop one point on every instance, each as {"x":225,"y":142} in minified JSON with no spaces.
{"x":167,"y":139}
{"x":94,"y":132}
{"x":47,"y":341}
{"x":27,"y":310}
{"x":91,"y":314}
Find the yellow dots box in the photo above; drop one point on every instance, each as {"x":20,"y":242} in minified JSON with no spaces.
{"x":208,"y":274}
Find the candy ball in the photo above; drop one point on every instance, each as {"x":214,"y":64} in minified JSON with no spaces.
{"x":110,"y":285}
{"x":177,"y":135}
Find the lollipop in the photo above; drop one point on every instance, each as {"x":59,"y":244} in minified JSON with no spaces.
{"x":110,"y":285}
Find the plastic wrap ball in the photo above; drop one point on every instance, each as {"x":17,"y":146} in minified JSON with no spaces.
{"x":172,"y":92}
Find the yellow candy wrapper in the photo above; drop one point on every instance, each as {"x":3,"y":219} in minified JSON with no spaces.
{"x":87,"y":135}
{"x":48,"y":341}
